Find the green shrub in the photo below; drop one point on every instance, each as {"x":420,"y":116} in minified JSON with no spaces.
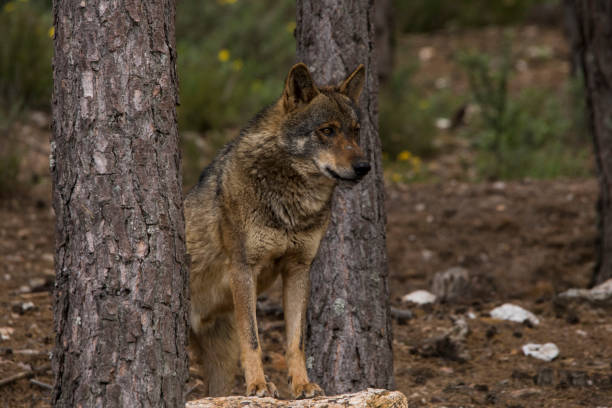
{"x":26,"y":49}
{"x":408,"y":115}
{"x":527,"y":135}
{"x":233,"y":58}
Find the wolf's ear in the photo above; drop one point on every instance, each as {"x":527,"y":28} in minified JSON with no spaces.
{"x":300,"y":89}
{"x":353,"y":85}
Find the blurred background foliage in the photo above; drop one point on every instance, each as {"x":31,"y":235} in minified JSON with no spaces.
{"x":234,"y":55}
{"x":418,"y":16}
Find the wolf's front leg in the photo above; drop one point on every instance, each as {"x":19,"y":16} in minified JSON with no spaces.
{"x":296,"y":289}
{"x":244,"y":296}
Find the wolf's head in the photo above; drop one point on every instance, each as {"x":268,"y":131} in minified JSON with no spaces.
{"x":320,"y":126}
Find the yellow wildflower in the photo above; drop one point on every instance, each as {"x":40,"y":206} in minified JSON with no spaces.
{"x":51,"y":31}
{"x":423,"y":104}
{"x":290,"y":27}
{"x":404,"y":155}
{"x":237,"y":64}
{"x":224,"y":55}
{"x":226,"y":1}
{"x":8,"y":7}
{"x":396,"y":177}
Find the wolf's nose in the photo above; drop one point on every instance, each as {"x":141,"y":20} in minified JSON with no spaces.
{"x":361,"y":168}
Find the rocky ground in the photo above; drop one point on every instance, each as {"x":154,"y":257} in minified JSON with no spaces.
{"x":520,"y":242}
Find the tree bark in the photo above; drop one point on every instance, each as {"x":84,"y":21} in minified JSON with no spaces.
{"x":593,"y":19}
{"x":121,"y":275}
{"x":349,"y":327}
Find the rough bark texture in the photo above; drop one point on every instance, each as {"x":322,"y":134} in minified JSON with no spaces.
{"x":349,"y":328}
{"x":121,"y":286}
{"x":368,"y":398}
{"x":593,"y":19}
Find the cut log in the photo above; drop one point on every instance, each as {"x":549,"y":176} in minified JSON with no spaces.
{"x":369,"y":398}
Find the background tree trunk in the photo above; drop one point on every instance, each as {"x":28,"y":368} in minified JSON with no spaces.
{"x":593,"y":19}
{"x":574,"y":36}
{"x":384,"y":39}
{"x":121,"y":276}
{"x":349,"y":328}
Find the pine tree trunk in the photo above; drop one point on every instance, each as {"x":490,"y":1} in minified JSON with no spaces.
{"x":121,"y":275}
{"x":349,"y":328}
{"x":594,"y":27}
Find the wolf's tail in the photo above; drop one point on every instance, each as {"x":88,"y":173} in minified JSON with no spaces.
{"x":217,"y":350}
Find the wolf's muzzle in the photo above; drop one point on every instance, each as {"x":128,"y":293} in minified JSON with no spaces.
{"x":361,"y":168}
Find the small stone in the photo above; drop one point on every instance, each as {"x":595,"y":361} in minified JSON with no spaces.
{"x":25,"y":306}
{"x":401,"y":315}
{"x":452,"y":285}
{"x":514,"y":313}
{"x":524,"y":393}
{"x":499,"y":185}
{"x":6,"y":332}
{"x":426,"y":53}
{"x":420,"y":297}
{"x":546,"y":376}
{"x":546,"y":352}
{"x":36,"y":283}
{"x":600,"y":294}
{"x":576,"y":378}
{"x":442,"y":123}
{"x":426,"y":254}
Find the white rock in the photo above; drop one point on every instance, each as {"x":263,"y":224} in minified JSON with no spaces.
{"x":420,"y":297}
{"x":5,"y":333}
{"x":426,"y":254}
{"x":599,"y":293}
{"x":546,"y":352}
{"x":443,"y":123}
{"x":514,"y":313}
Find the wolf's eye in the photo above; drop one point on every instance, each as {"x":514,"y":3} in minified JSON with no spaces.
{"x":328,"y":131}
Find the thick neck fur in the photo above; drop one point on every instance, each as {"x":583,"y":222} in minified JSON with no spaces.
{"x":292,"y":193}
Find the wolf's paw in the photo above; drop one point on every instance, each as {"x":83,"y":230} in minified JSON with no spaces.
{"x":262,"y":389}
{"x":307,"y":390}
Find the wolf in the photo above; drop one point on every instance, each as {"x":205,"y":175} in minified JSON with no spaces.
{"x":259,"y":211}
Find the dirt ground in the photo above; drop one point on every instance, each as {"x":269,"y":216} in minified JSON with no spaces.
{"x":521,"y":242}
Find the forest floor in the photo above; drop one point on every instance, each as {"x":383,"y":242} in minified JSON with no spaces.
{"x":521,"y":242}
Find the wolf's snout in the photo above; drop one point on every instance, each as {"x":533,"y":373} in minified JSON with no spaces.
{"x":361,"y":168}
